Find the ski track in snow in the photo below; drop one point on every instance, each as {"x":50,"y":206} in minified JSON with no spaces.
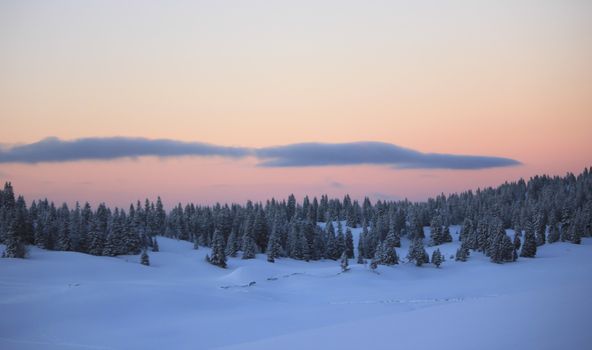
{"x":412,"y":301}
{"x":60,"y":344}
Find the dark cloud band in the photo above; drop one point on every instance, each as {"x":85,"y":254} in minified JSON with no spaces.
{"x":295,"y":155}
{"x":320,"y":154}
{"x":55,"y":150}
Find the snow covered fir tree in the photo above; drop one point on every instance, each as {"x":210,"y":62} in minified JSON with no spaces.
{"x":503,"y":223}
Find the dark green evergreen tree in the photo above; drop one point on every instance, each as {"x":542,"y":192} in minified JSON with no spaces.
{"x":386,"y":254}
{"x":15,"y":248}
{"x":553,"y":234}
{"x":155,"y":247}
{"x":446,"y":236}
{"x":417,"y":253}
{"x":96,"y":239}
{"x":349,"y":244}
{"x":436,"y":233}
{"x":217,"y":257}
{"x":517,"y":242}
{"x":249,"y":246}
{"x":540,"y":228}
{"x":437,"y":258}
{"x":344,"y":263}
{"x":145,"y":259}
{"x":273,"y":247}
{"x":462,"y":253}
{"x":232,"y":244}
{"x":529,"y":247}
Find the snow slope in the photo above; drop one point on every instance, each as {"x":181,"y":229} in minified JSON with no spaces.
{"x":64,"y":300}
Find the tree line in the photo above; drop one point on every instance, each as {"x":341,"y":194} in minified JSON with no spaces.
{"x":541,"y":210}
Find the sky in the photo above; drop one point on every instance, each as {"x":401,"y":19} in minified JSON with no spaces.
{"x":225,"y":101}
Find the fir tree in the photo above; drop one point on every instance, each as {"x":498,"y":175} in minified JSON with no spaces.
{"x":517,"y":242}
{"x":160,"y":218}
{"x":507,"y":248}
{"x":553,"y":234}
{"x":462,"y":253}
{"x":318,"y":244}
{"x":63,"y":242}
{"x":481,"y":236}
{"x":22,"y":225}
{"x":217,"y":257}
{"x":273,"y":247}
{"x":114,"y":244}
{"x":349,"y":244}
{"x":294,"y":243}
{"x":361,"y":252}
{"x":249,"y":245}
{"x":437,"y":258}
{"x":361,"y":259}
{"x":416,"y":227}
{"x":41,"y":232}
{"x":232,"y":245}
{"x":370,"y":241}
{"x":540,"y":228}
{"x":332,"y":248}
{"x":470,"y":235}
{"x":344,"y":263}
{"x":144,"y":259}
{"x":394,"y":233}
{"x":373,"y":264}
{"x":495,"y":247}
{"x":391,"y":240}
{"x":340,"y":241}
{"x":291,"y":207}
{"x":7,"y":211}
{"x":436,"y":237}
{"x":155,"y":247}
{"x":259,"y":230}
{"x":446,"y":236}
{"x":96,"y":241}
{"x":417,"y":253}
{"x":15,"y":248}
{"x":540,"y":238}
{"x":131,"y":239}
{"x":466,"y":230}
{"x":330,"y":229}
{"x":518,"y":230}
{"x":304,"y":246}
{"x":529,"y":247}
{"x":575,"y":235}
{"x":350,"y":213}
{"x":386,"y":254}
{"x":76,"y":231}
{"x":565,"y":223}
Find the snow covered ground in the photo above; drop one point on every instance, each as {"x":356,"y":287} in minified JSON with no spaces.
{"x":64,"y":300}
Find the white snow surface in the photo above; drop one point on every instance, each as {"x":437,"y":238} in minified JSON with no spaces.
{"x":66,"y":300}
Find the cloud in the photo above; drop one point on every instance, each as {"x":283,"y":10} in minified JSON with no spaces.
{"x":55,"y":150}
{"x":294,"y":155}
{"x":336,"y":184}
{"x":325,"y":154}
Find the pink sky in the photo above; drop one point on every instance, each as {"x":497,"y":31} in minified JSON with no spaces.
{"x":499,"y":78}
